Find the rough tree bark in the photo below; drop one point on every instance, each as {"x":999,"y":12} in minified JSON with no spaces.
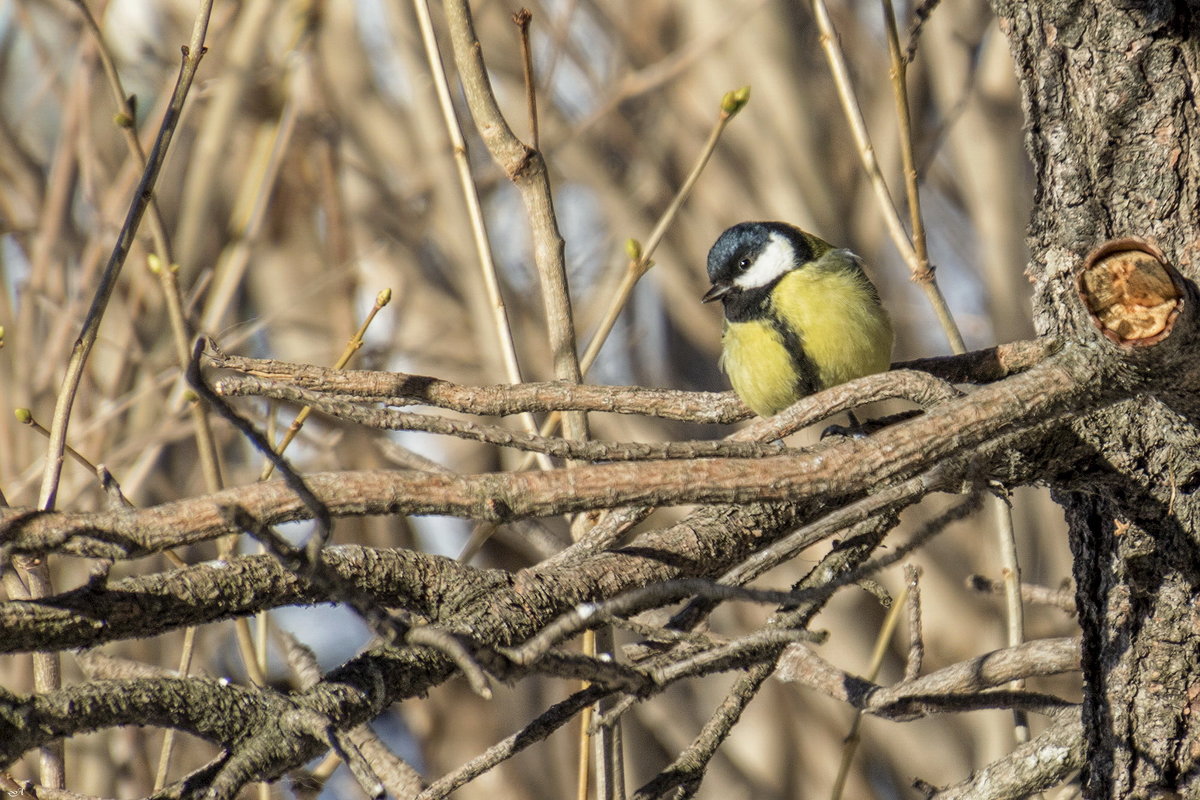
{"x":1108,"y":90}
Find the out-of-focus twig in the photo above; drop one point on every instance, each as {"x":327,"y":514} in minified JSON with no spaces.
{"x":1062,"y":598}
{"x":850,"y":744}
{"x":241,"y":47}
{"x":921,"y":13}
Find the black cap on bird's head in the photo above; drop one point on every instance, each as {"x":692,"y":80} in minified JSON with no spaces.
{"x":753,"y":255}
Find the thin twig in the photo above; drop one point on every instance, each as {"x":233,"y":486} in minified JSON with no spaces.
{"x":966,"y":679}
{"x":545,"y":724}
{"x":831,"y":44}
{"x":186,"y":651}
{"x":352,"y":346}
{"x":25,"y":417}
{"x":1010,"y":572}
{"x":916,"y":640}
{"x":923,"y":274}
{"x":641,"y":256}
{"x":522,"y":19}
{"x":125,"y":118}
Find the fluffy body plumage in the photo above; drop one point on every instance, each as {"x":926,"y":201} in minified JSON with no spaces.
{"x":800,"y":315}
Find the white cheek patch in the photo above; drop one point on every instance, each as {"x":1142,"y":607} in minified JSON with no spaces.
{"x":777,"y":258}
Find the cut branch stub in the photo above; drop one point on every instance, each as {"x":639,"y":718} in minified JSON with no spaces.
{"x":1131,"y":291}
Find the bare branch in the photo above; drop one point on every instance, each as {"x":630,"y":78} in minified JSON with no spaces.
{"x":1036,"y":765}
{"x":943,"y":688}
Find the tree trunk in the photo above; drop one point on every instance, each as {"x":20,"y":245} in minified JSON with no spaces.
{"x":1108,"y":90}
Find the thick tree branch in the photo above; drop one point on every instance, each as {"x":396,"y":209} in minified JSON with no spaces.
{"x":1073,"y":379}
{"x":148,"y":605}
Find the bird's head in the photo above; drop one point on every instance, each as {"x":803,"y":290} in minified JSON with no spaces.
{"x":754,"y":255}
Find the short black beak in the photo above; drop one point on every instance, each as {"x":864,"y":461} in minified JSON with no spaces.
{"x":719,"y":289}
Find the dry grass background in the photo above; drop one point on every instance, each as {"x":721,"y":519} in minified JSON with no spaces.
{"x":312,"y":169}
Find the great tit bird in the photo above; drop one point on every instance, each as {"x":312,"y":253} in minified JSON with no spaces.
{"x":800,"y":314}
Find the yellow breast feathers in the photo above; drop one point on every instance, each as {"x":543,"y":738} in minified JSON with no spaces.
{"x":843,"y":333}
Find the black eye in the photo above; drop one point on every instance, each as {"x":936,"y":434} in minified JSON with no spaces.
{"x":743,"y":265}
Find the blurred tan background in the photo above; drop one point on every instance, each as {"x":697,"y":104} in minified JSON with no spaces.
{"x":312,"y":169}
